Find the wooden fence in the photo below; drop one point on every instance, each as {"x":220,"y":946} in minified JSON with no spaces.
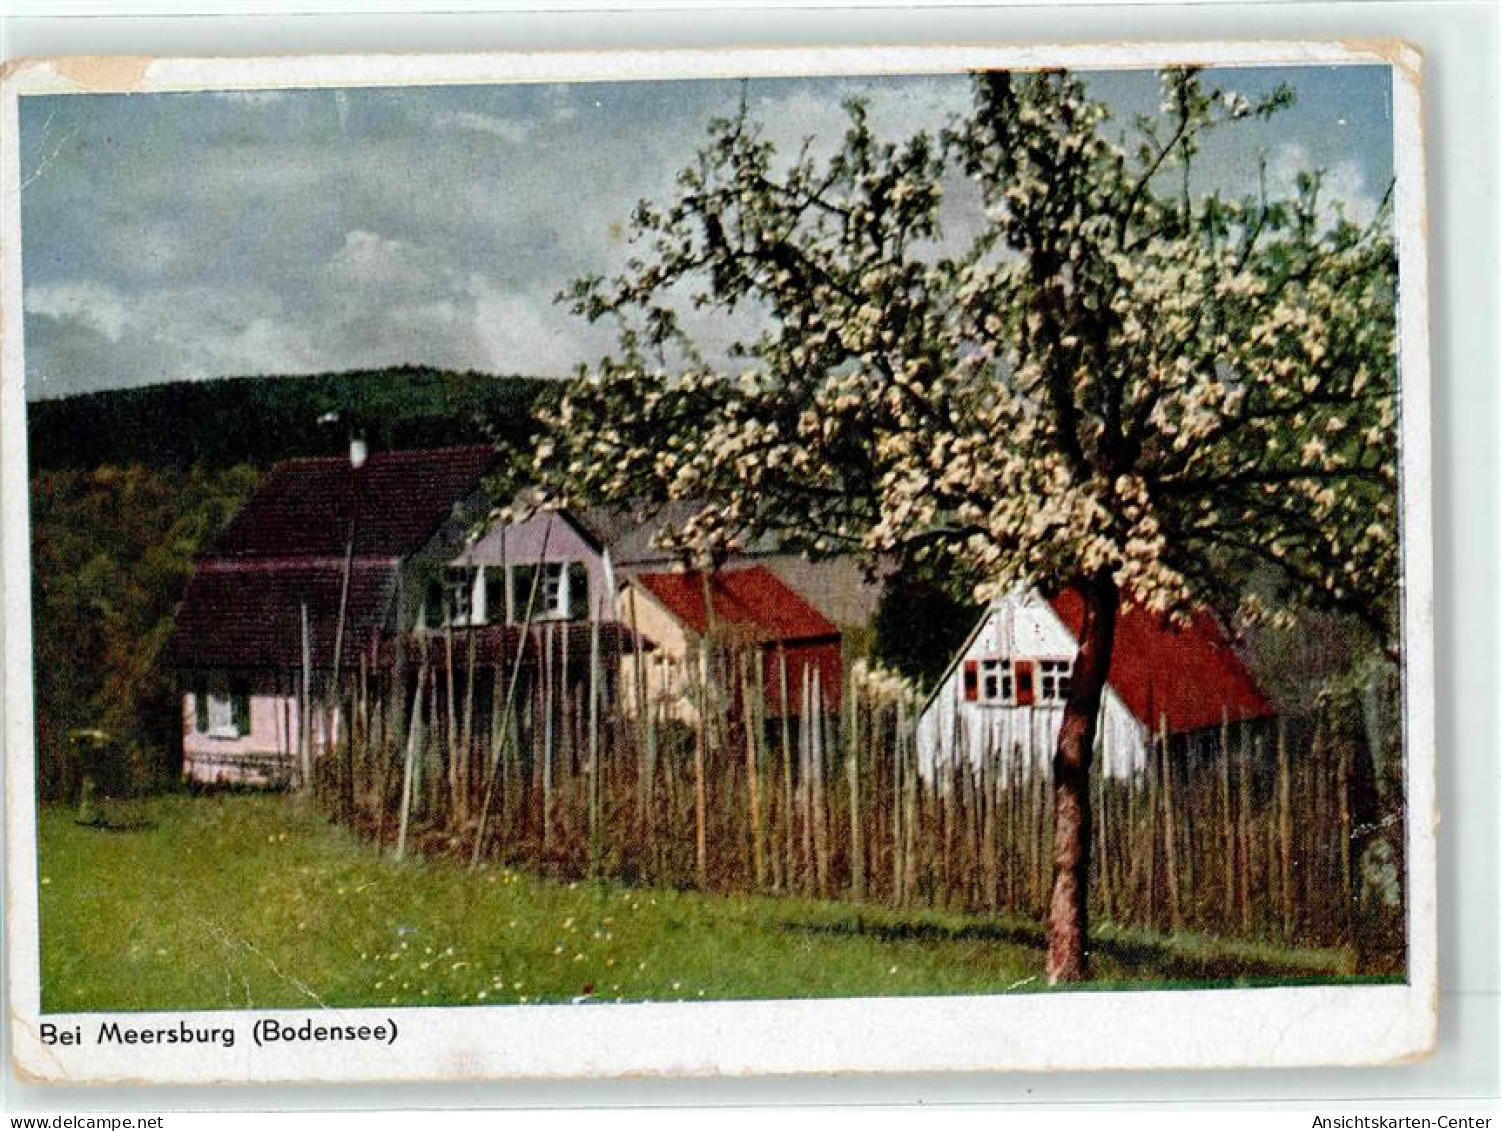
{"x":1283,"y":832}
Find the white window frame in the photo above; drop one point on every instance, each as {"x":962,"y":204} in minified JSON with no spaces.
{"x":999,"y":670}
{"x":555,"y":597}
{"x":552,"y":591}
{"x":221,"y":716}
{"x":219,"y":710}
{"x":1050,"y":671}
{"x":472,"y":591}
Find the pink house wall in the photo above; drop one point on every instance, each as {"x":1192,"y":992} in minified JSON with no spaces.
{"x":267,"y":755}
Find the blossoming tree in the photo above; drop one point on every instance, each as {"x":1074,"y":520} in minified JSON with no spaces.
{"x":1121,"y":383}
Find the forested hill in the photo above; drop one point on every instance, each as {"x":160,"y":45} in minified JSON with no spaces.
{"x":258,"y":420}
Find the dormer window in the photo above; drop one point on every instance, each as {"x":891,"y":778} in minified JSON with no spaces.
{"x":476,"y":595}
{"x":459,"y":585}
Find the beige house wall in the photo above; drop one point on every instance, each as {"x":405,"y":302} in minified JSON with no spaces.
{"x":668,"y":667}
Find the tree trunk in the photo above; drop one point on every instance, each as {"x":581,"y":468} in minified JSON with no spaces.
{"x":1068,"y":913}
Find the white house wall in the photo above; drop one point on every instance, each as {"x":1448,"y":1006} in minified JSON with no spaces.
{"x":1020,"y":628}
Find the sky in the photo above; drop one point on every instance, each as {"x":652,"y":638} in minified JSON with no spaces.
{"x":172,"y":237}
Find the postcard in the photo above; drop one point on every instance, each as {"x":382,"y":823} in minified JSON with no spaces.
{"x":717,"y":563}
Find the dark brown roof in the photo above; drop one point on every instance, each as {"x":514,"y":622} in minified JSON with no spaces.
{"x":303,"y":507}
{"x":287,"y":546}
{"x":249,"y":615}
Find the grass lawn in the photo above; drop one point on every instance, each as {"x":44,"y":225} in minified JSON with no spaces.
{"x":245,"y":901}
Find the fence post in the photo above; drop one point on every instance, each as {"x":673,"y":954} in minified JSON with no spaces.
{"x":898,"y":799}
{"x":304,"y":708}
{"x":415,"y":739}
{"x":594,"y":783}
{"x":750,"y":723}
{"x":789,"y":830}
{"x":1346,"y":863}
{"x":549,"y":733}
{"x":816,"y":789}
{"x":1169,"y":837}
{"x":1103,"y":853}
{"x":1243,"y":823}
{"x":1227,"y":810}
{"x":1285,"y":828}
{"x":700,"y":837}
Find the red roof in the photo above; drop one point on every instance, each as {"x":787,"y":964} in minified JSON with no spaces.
{"x":1191,"y":675}
{"x":753,"y":600}
{"x":303,"y":506}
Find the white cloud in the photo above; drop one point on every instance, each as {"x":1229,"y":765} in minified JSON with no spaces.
{"x":368,"y":257}
{"x":429,"y":226}
{"x":97,"y":307}
{"x":1344,"y":183}
{"x":524,"y":331}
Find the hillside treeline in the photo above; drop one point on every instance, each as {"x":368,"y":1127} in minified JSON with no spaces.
{"x":259,"y":420}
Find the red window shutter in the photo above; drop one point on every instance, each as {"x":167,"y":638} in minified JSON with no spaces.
{"x":971,"y":680}
{"x":1024,"y":692}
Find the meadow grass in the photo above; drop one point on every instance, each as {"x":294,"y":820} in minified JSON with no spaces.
{"x":255,"y":901}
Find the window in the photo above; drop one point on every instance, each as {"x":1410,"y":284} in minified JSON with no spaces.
{"x":521,"y":591}
{"x":989,"y":680}
{"x":451,"y":599}
{"x":1054,"y":679}
{"x":552,"y":600}
{"x":239,"y":706}
{"x":562,"y":592}
{"x":578,"y":591}
{"x":220,"y":711}
{"x":459,"y":583}
{"x":496,"y":609}
{"x":996,"y":681}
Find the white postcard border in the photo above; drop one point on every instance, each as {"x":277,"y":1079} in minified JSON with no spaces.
{"x":1085,"y":1029}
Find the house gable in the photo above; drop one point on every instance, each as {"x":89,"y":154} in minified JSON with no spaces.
{"x":750,"y":607}
{"x":1191,"y":676}
{"x":552,"y":537}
